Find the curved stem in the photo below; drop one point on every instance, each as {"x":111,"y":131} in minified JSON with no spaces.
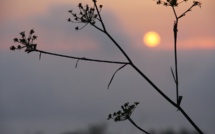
{"x":132,"y":122}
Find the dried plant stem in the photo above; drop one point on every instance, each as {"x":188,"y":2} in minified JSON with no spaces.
{"x":175,"y":30}
{"x":132,"y":122}
{"x":80,"y":58}
{"x":148,"y":80}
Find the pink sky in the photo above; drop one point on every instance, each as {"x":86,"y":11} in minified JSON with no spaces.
{"x":196,"y":29}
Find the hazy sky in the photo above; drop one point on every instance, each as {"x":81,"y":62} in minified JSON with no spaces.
{"x":52,"y":96}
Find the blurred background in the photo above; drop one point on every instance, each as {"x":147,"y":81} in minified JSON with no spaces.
{"x":51,"y":96}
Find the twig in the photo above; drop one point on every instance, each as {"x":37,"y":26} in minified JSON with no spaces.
{"x":79,"y":58}
{"x":173,"y":74}
{"x":40,"y":56}
{"x":114,"y":75}
{"x":132,"y":122}
{"x":76,"y":65}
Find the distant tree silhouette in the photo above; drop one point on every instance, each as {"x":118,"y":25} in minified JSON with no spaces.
{"x":92,"y":16}
{"x":102,"y":129}
{"x":92,"y":129}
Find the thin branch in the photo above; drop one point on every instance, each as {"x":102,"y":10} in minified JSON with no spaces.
{"x":100,"y":18}
{"x":105,"y":31}
{"x":40,"y":55}
{"x":119,"y":47}
{"x":175,"y":30}
{"x":80,"y":58}
{"x":190,"y":120}
{"x":98,"y":28}
{"x":183,"y":14}
{"x":114,"y":75}
{"x":132,"y":122}
{"x":173,"y":75}
{"x":174,"y":12}
{"x":154,"y":86}
{"x":83,"y":26}
{"x":76,"y":65}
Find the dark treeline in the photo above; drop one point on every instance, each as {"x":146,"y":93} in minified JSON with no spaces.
{"x":102,"y":129}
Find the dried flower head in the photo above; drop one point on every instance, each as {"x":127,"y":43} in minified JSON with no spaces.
{"x":32,"y":31}
{"x":25,"y":43}
{"x":86,"y":15}
{"x":175,"y":3}
{"x":197,"y":3}
{"x":15,"y":40}
{"x":12,"y":48}
{"x":123,"y":114}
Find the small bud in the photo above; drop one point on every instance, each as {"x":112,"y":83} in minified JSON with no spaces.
{"x":165,"y":4}
{"x":29,"y":39}
{"x":136,"y":103}
{"x":158,"y":2}
{"x":34,"y":37}
{"x":32,"y":31}
{"x":109,"y":116}
{"x":131,"y":107}
{"x":22,"y":34}
{"x":80,"y":5}
{"x":70,"y":11}
{"x":126,"y":104}
{"x":13,"y":48}
{"x":119,"y":112}
{"x":22,"y":41}
{"x":196,"y":3}
{"x":122,"y":107}
{"x":15,"y":40}
{"x":76,"y":28}
{"x":74,"y":15}
{"x":87,"y":8}
{"x":101,"y":6}
{"x":117,"y":119}
{"x":68,"y":19}
{"x":95,"y":16}
{"x":19,"y":47}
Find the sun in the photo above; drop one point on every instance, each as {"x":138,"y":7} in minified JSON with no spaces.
{"x":151,"y":39}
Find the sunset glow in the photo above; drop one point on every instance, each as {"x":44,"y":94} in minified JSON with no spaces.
{"x":151,"y":39}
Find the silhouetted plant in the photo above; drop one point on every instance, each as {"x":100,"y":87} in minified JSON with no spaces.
{"x":90,"y":16}
{"x":26,"y":43}
{"x":125,"y":114}
{"x":173,"y":4}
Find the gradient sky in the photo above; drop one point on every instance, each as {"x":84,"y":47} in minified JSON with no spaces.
{"x":52,"y":96}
